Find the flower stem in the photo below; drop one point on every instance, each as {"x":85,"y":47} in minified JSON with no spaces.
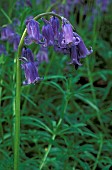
{"x":17,"y":105}
{"x":18,"y":92}
{"x":1,"y":127}
{"x":17,"y":114}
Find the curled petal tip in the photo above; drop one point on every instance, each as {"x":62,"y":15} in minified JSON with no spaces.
{"x":91,"y":50}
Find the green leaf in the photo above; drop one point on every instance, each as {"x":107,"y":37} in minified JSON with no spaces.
{"x":35,"y":122}
{"x":84,"y":99}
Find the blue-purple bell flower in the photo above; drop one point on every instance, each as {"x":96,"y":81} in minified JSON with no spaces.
{"x":31,"y":73}
{"x":27,"y":41}
{"x":48,"y":34}
{"x":67,"y":31}
{"x":28,"y":19}
{"x":63,"y":50}
{"x":55,"y":26}
{"x":29,"y":67}
{"x":27,"y":54}
{"x":42,"y":55}
{"x":81,"y":48}
{"x":60,"y":46}
{"x":33,"y":30}
{"x":78,"y":50}
{"x":74,"y":56}
{"x":16,"y":40}
{"x":7,"y":33}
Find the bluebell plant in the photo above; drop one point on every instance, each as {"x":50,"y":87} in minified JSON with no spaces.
{"x":56,"y":32}
{"x":60,"y":35}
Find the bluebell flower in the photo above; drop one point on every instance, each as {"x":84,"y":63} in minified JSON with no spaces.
{"x":27,"y":40}
{"x":74,"y":55}
{"x":67,"y":31}
{"x":42,"y":55}
{"x":28,"y":19}
{"x":33,"y":30}
{"x":78,"y":50}
{"x":63,"y":50}
{"x":29,"y":67}
{"x":7,"y":33}
{"x":60,"y":45}
{"x":48,"y":34}
{"x":16,"y":40}
{"x":61,"y":40}
{"x":31,"y":73}
{"x":27,"y":54}
{"x":81,"y":47}
{"x":55,"y":26}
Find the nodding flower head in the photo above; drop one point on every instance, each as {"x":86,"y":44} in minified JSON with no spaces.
{"x":78,"y":50}
{"x":81,"y":48}
{"x":47,"y":32}
{"x":55,"y":25}
{"x":31,"y":73}
{"x":67,"y":31}
{"x":27,"y":54}
{"x":16,"y":40}
{"x":7,"y":33}
{"x":33,"y":30}
{"x":74,"y":56}
{"x":42,"y":55}
{"x":29,"y":66}
{"x":63,"y":40}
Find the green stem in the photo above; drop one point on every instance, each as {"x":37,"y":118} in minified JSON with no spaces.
{"x":1,"y":126}
{"x":47,"y":152}
{"x":54,"y":136}
{"x":18,"y":92}
{"x":17,"y":113}
{"x":99,"y":152}
{"x":46,"y":14}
